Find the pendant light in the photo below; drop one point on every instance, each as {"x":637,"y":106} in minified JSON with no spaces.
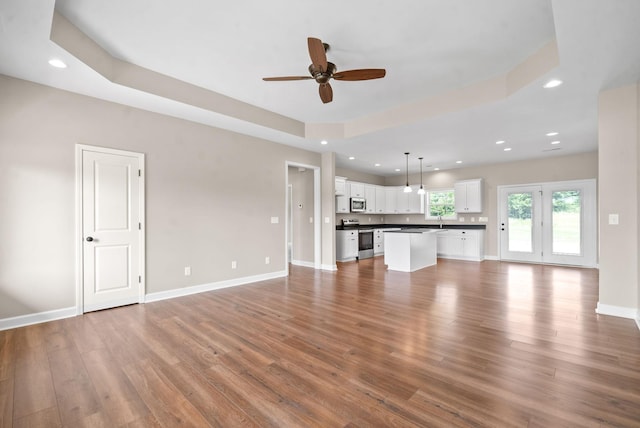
{"x":421,"y":189}
{"x":407,"y":188}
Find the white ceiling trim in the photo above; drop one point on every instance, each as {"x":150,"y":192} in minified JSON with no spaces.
{"x":74,"y":41}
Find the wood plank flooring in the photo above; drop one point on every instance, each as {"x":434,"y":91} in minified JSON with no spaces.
{"x":458,"y":344}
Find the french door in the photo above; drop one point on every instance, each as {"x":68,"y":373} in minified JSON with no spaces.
{"x":551,"y":223}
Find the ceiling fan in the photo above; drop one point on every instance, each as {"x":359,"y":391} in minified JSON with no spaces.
{"x":322,"y":71}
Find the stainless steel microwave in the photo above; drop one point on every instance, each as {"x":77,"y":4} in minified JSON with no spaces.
{"x":358,"y":205}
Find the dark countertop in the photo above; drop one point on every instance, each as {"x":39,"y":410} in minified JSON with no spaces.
{"x":414,"y":226}
{"x":414,"y":230}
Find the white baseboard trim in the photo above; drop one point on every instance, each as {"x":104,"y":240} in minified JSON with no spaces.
{"x":179,"y":292}
{"x":302,"y":263}
{"x":491,"y":258}
{"x":329,"y":267}
{"x":619,"y":311}
{"x":37,"y":318}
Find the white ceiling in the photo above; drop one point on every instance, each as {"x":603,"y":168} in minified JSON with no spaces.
{"x":428,"y":47}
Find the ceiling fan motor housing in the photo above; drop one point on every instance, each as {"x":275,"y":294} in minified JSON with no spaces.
{"x":322,"y":76}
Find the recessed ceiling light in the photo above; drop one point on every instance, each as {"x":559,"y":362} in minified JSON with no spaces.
{"x":57,"y":63}
{"x":397,"y":169}
{"x":507,"y":149}
{"x":377,"y":164}
{"x":324,"y":142}
{"x":458,"y":161}
{"x":436,"y":169}
{"x":555,"y":142}
{"x":351,"y":158}
{"x":500,"y":142}
{"x":551,"y":134}
{"x":552,"y":83}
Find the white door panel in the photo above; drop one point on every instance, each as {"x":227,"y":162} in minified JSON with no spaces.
{"x":112,"y":207}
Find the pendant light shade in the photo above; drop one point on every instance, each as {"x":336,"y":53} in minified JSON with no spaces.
{"x":421,"y":189}
{"x":407,"y":188}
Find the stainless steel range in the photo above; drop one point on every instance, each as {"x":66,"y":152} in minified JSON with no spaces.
{"x":365,"y":238}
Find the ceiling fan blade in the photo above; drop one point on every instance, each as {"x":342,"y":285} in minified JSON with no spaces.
{"x":317,"y":53}
{"x":362,"y":74}
{"x":326,"y":93}
{"x":283,"y":78}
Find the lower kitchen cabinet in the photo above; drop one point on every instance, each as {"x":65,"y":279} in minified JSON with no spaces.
{"x":464,"y":244}
{"x":346,"y":245}
{"x":378,"y":242}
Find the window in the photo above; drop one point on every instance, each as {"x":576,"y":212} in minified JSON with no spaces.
{"x":440,"y":203}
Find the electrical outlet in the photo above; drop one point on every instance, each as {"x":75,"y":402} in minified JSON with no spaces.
{"x":461,"y":219}
{"x":275,"y":220}
{"x":234,"y":264}
{"x":483,"y":219}
{"x":187,"y":271}
{"x":407,"y":218}
{"x":267,"y":260}
{"x":473,"y":219}
{"x":310,"y":219}
{"x":327,"y":220}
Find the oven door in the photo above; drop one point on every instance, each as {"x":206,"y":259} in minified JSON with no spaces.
{"x":365,"y":244}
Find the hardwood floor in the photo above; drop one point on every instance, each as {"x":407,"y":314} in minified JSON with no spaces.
{"x":458,"y":344}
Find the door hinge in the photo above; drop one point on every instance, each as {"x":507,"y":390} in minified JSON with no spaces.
{"x":139,"y":226}
{"x":139,"y":278}
{"x":139,"y":173}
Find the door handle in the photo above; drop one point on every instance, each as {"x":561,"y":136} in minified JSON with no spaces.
{"x":89,"y":238}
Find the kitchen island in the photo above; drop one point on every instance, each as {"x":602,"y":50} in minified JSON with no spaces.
{"x":408,"y":250}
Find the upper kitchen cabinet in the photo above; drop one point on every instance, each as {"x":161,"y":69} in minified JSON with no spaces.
{"x":391,"y":200}
{"x":356,"y":190}
{"x":381,"y":200}
{"x":468,"y":196}
{"x":409,"y":203}
{"x":341,"y":186}
{"x":370,"y":196}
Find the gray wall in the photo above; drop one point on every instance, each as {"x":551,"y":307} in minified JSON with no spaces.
{"x":619,"y":188}
{"x":210,"y":195}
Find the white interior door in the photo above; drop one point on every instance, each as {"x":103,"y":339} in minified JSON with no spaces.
{"x":551,"y":223}
{"x":111,"y":224}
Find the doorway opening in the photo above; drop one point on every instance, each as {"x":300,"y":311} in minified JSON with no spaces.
{"x":303,"y":226}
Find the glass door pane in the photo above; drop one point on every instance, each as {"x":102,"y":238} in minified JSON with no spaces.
{"x":566,"y":222}
{"x":520,"y":207}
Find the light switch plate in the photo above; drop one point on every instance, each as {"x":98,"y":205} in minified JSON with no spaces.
{"x":614,"y":219}
{"x":275,"y":220}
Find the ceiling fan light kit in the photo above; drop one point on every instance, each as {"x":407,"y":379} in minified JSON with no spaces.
{"x":322,"y":71}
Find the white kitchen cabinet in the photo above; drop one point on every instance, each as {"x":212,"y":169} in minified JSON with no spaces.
{"x":391,"y":200}
{"x":342,"y":204}
{"x":356,"y":190}
{"x":381,"y":200}
{"x":468,"y":196}
{"x":370,"y":196}
{"x":341,"y":186}
{"x":346,"y":245}
{"x":464,"y":244}
{"x":378,"y":241}
{"x":409,"y":203}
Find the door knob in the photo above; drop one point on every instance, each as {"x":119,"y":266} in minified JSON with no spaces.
{"x":89,"y":238}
